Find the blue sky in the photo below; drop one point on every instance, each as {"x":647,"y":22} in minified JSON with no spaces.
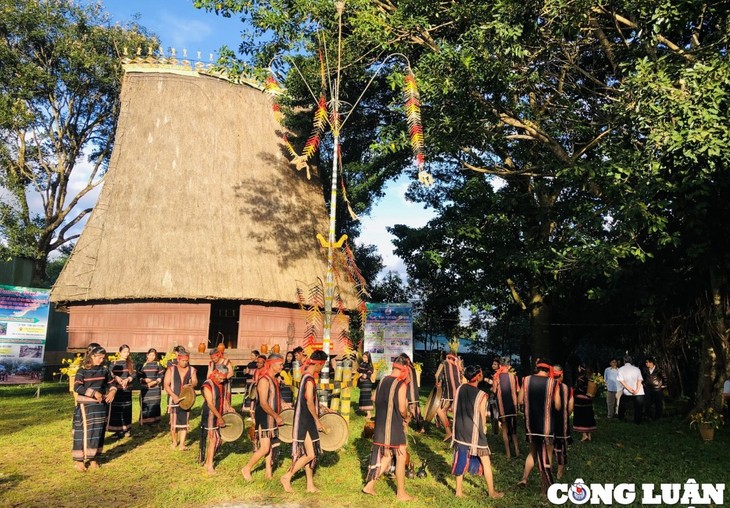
{"x":179,"y":25}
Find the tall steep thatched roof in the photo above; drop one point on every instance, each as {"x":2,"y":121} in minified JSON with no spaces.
{"x":199,"y":201}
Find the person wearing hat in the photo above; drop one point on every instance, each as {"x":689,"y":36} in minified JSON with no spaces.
{"x":654,"y":384}
{"x":211,"y":418}
{"x":95,"y":388}
{"x":305,"y":448}
{"x":267,"y":409}
{"x":471,"y":450}
{"x":177,"y":377}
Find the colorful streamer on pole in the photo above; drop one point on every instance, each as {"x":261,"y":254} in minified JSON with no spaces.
{"x":415,"y":128}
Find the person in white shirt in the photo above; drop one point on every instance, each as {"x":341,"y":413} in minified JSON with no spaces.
{"x":633,"y":389}
{"x":610,"y":375}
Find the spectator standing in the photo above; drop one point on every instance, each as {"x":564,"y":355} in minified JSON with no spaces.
{"x":612,"y":387}
{"x":654,"y":383}
{"x":633,"y":389}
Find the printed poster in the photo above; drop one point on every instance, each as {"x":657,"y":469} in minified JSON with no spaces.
{"x":388,"y":332}
{"x":23,"y":326}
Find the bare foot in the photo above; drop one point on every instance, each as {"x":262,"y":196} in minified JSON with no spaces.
{"x":80,"y":467}
{"x":183,"y":448}
{"x":522,"y":483}
{"x":459,"y":494}
{"x":246,"y":474}
{"x":173,"y":446}
{"x":369,"y":490}
{"x":93,"y":465}
{"x":210,"y":470}
{"x":404,"y":497}
{"x":448,"y":437}
{"x":286,"y":482}
{"x":496,"y":495}
{"x":312,"y":489}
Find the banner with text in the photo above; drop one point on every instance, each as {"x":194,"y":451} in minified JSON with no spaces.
{"x":388,"y":333}
{"x":23,"y":326}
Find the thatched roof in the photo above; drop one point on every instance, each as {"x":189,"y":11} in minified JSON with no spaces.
{"x":199,"y":202}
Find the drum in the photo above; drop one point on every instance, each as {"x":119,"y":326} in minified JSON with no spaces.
{"x":334,"y":435}
{"x":286,"y":430}
{"x":187,"y":397}
{"x":432,"y":403}
{"x":233,"y":429}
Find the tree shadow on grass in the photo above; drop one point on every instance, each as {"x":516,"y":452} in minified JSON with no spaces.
{"x":437,"y":466}
{"x":10,"y":481}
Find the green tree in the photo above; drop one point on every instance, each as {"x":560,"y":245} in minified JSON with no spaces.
{"x":572,"y":141}
{"x":59,"y":98}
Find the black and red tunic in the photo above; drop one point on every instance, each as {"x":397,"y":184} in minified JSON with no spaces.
{"x":179,"y":418}
{"x":304,"y":423}
{"x":389,"y":429}
{"x":469,"y":423}
{"x":561,"y":423}
{"x":506,"y":387}
{"x":451,"y":378}
{"x":539,"y":408}
{"x":265,"y":423}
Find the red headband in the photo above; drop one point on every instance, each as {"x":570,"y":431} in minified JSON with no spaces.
{"x":183,"y":357}
{"x":546,"y":366}
{"x":403,"y":372}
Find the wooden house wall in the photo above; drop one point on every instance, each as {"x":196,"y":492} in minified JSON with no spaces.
{"x":165,"y":325}
{"x":140,"y":325}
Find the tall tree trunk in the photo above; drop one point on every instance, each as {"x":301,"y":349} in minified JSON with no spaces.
{"x":715,"y":349}
{"x":39,"y":271}
{"x":540,"y":325}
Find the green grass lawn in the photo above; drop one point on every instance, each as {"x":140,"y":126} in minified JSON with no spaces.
{"x":36,"y":467}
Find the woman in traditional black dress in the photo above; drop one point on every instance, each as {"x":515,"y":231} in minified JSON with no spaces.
{"x":120,"y":418}
{"x":287,"y":393}
{"x":150,"y":375}
{"x":365,"y":383}
{"x":95,"y":389}
{"x":584,"y":419}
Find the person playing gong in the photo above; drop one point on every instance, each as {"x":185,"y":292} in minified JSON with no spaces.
{"x":267,"y":419}
{"x":391,"y":421}
{"x":448,"y":376}
{"x":176,"y":377}
{"x":471,"y":450}
{"x":306,"y":448}
{"x":211,"y":418}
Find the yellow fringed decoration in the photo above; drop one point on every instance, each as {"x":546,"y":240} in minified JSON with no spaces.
{"x":415,"y":128}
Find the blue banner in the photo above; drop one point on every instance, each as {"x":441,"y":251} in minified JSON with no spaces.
{"x":23,"y":327}
{"x":388,"y":333}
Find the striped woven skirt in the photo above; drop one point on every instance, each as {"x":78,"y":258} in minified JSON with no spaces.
{"x":150,"y":401}
{"x":120,"y":417}
{"x":89,"y":425}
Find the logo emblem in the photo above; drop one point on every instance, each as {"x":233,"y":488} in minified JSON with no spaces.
{"x":579,"y":493}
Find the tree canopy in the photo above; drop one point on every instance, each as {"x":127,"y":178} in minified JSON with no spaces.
{"x":580,"y":153}
{"x":60,"y":76}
